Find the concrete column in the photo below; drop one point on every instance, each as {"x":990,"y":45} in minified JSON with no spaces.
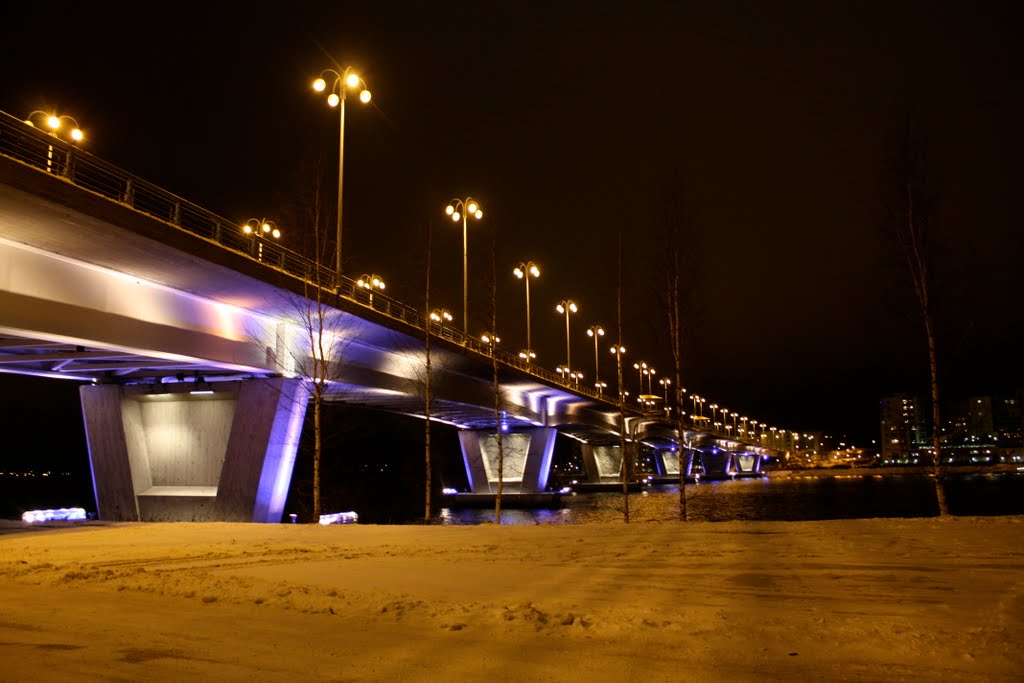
{"x":108,"y":454}
{"x":472,"y":457}
{"x":668,"y":463}
{"x":604,"y":463}
{"x":590,"y":464}
{"x":169,"y":455}
{"x":261,"y":450}
{"x":538,"y":460}
{"x":527,"y":460}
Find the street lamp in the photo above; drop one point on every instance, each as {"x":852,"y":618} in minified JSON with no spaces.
{"x":524,"y":271}
{"x":464,"y":208}
{"x":618,"y":350}
{"x":54,"y":123}
{"x":340,"y":83}
{"x":261,"y":230}
{"x":441,"y":316}
{"x":596,"y":331}
{"x":567,"y":306}
{"x":665,"y":382}
{"x":491,"y":340}
{"x":371,"y":282}
{"x":568,"y":375}
{"x":644,"y":371}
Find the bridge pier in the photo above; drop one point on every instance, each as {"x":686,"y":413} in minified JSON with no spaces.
{"x":182,"y":456}
{"x":603,"y":463}
{"x":527,"y":460}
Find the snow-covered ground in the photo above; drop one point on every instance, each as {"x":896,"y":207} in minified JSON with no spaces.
{"x":871,"y":600}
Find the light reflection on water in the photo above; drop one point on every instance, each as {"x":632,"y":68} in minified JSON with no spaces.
{"x":782,"y":499}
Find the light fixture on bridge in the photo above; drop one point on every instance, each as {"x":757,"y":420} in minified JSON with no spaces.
{"x":261,"y":230}
{"x":491,"y":339}
{"x":618,"y":350}
{"x":524,"y":271}
{"x":340,"y":83}
{"x":370,"y":282}
{"x":569,"y":375}
{"x":665,"y":382}
{"x":55,"y":123}
{"x":596,"y":331}
{"x":462,"y":209}
{"x":441,"y":315}
{"x":567,"y":306}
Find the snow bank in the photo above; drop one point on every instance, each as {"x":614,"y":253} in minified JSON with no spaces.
{"x":834,"y":600}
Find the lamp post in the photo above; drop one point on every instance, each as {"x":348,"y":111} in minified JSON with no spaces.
{"x":261,"y":230}
{"x":567,"y":306}
{"x":596,"y":331}
{"x":371,"y":282}
{"x":618,"y":350}
{"x":568,"y":375}
{"x":524,"y":271}
{"x":463,"y":208}
{"x":491,"y":340}
{"x":54,"y":123}
{"x":665,"y":382}
{"x":640,"y":368}
{"x":725,"y":416}
{"x":441,"y":316}
{"x":337,"y":85}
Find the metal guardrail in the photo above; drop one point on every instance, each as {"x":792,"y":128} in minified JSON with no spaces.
{"x":50,"y":154}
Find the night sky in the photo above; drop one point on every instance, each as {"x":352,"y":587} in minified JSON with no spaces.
{"x":774,"y":126}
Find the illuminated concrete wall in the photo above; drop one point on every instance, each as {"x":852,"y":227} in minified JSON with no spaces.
{"x":226,"y":456}
{"x":603,"y":463}
{"x":527,"y":460}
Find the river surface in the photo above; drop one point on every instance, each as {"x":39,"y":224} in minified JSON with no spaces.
{"x":779,"y":498}
{"x":798,"y":497}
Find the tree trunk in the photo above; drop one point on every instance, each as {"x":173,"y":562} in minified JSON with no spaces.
{"x":497,"y":388}
{"x":426,"y":388}
{"x":940,"y":469}
{"x":317,"y":403}
{"x":627,"y":473}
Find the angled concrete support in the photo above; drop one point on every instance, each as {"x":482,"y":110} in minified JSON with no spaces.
{"x":603,"y":463}
{"x":175,"y":456}
{"x":261,"y":450}
{"x":108,"y":454}
{"x":527,"y":460}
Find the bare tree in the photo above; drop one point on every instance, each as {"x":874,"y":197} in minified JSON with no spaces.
{"x":675,"y":328}
{"x":627,"y":461}
{"x":492,"y":336}
{"x":912,"y":219}
{"x":426,"y":383}
{"x":318,"y":360}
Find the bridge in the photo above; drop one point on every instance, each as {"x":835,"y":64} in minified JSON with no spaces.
{"x":193,"y":343}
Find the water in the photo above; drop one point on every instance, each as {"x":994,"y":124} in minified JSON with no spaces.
{"x":782,"y":499}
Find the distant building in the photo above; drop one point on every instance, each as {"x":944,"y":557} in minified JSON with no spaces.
{"x":977,"y":430}
{"x":1008,"y":419}
{"x":904,"y":428}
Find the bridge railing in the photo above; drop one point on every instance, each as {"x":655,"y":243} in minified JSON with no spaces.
{"x":50,"y":154}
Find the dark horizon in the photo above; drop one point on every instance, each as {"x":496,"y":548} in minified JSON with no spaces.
{"x":775,"y":129}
